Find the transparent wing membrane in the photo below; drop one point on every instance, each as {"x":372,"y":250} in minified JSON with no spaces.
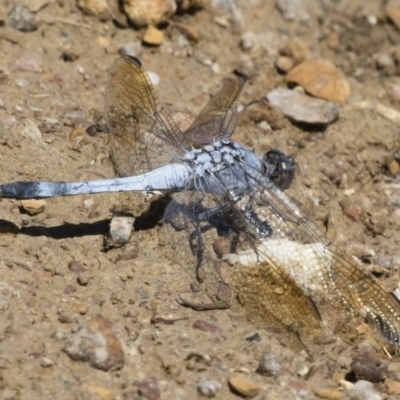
{"x":143,"y":135}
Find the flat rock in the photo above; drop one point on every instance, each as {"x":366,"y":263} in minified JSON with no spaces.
{"x":303,"y":108}
{"x":144,"y":12}
{"x":97,"y":8}
{"x":322,"y":79}
{"x":32,"y":206}
{"x":96,"y":343}
{"x":243,"y":385}
{"x":153,"y":36}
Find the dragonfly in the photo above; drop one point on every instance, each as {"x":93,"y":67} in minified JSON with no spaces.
{"x":230,"y":222}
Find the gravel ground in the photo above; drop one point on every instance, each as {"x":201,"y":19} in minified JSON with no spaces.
{"x":80,"y":319}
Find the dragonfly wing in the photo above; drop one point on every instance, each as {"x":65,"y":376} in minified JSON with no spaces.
{"x":218,"y":119}
{"x":344,"y":293}
{"x":143,"y":135}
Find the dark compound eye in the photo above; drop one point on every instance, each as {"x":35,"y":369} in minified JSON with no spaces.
{"x":280,"y":168}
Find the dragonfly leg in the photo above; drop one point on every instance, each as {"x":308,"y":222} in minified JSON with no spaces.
{"x":215,"y":217}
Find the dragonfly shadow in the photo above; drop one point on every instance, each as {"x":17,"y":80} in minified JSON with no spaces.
{"x":68,"y":230}
{"x":152,"y":217}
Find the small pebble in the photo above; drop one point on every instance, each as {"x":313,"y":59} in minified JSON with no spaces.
{"x":32,"y":206}
{"x":97,"y":8}
{"x":153,"y":36}
{"x":7,"y":120}
{"x":386,"y":63}
{"x":59,"y":335}
{"x":69,"y":56}
{"x":244,"y":386}
{"x":328,"y":393}
{"x":246,"y":66}
{"x":142,"y":293}
{"x":269,"y":365}
{"x":46,"y":362}
{"x":49,"y":125}
{"x":75,"y":266}
{"x":284,"y":64}
{"x":254,"y":338}
{"x":130,"y":49}
{"x":207,"y":327}
{"x":99,"y":393}
{"x":215,"y":68}
{"x":142,"y":13}
{"x":363,"y":390}
{"x":149,"y":388}
{"x":121,"y":229}
{"x":353,"y":213}
{"x":84,"y":278}
{"x":189,"y":31}
{"x":248,"y":41}
{"x":303,"y":108}
{"x":369,"y":366}
{"x":88,"y":204}
{"x":296,"y":50}
{"x":32,"y":131}
{"x":22,"y":19}
{"x":208,"y":387}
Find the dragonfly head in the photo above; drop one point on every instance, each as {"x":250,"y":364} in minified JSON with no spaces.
{"x":279,"y":167}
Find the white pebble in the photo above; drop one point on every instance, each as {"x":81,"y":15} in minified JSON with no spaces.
{"x":363,"y":390}
{"x":208,"y":387}
{"x":215,"y":68}
{"x":154,"y":78}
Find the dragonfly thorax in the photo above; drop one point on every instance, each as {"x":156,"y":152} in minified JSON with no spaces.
{"x":214,"y":157}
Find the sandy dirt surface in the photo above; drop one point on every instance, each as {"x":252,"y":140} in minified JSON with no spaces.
{"x":56,"y":279}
